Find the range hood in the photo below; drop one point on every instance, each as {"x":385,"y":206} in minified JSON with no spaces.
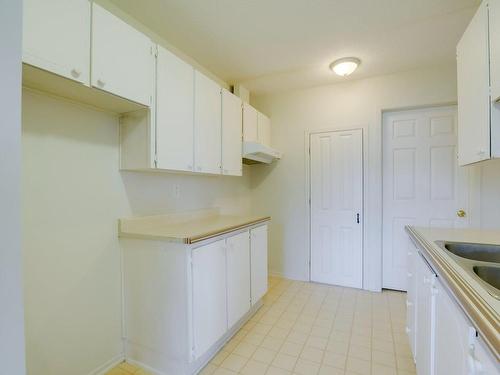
{"x":255,"y":152}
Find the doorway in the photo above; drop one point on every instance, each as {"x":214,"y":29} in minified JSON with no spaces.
{"x":422,"y":183}
{"x":336,"y":204}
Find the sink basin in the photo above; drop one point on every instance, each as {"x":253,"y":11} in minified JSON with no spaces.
{"x":481,"y":261}
{"x":488,"y":274}
{"x":474,"y":251}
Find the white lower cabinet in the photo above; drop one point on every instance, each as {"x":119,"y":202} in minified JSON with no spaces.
{"x":442,"y":339}
{"x":238,"y":277}
{"x":426,"y":318}
{"x":209,"y":295}
{"x":182,"y":302}
{"x":452,"y":336}
{"x":411,"y":314}
{"x":258,"y":262}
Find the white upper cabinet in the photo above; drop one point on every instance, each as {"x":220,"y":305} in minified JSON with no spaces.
{"x":174,"y":112}
{"x":264,"y":129}
{"x":231,"y":134}
{"x":494,"y":7}
{"x":258,"y":262}
{"x":238,"y":277}
{"x":207,"y":125}
{"x":478,"y":76}
{"x":56,"y":37}
{"x":250,"y":124}
{"x":122,"y":58}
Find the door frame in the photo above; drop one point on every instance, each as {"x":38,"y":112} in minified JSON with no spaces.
{"x":474,"y":178}
{"x":307,"y":158}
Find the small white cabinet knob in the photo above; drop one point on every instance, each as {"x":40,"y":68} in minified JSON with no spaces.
{"x":76,"y":72}
{"x":101,"y":83}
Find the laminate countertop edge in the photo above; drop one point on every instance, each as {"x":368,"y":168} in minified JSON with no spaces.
{"x":484,"y":317}
{"x":195,"y":238}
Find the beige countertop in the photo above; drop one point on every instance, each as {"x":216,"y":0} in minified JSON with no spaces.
{"x":188,"y":227}
{"x":482,"y":308}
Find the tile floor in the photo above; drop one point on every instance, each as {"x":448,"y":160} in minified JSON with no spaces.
{"x":312,"y":329}
{"x":127,"y":369}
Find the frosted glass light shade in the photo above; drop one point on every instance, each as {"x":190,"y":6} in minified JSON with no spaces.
{"x":344,"y":67}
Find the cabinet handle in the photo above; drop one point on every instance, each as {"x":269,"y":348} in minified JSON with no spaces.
{"x":76,"y":72}
{"x":101,"y":83}
{"x":407,"y":330}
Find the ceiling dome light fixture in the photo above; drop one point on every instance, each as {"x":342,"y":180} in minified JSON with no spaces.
{"x":344,"y":67}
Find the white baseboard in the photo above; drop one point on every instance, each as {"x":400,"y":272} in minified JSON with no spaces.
{"x":113,"y":362}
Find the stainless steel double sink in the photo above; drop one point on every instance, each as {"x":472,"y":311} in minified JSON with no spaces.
{"x":482,"y":261}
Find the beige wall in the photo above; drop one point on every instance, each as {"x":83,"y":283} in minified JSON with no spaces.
{"x":280,"y":190}
{"x":73,"y":194}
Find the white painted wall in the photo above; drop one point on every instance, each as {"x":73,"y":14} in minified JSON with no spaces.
{"x":73,"y":194}
{"x":280,"y":189}
{"x":11,"y":291}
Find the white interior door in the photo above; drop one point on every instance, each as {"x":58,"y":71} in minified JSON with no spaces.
{"x":423,"y":184}
{"x":336,"y":165}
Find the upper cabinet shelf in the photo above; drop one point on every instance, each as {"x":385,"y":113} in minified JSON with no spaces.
{"x":478,"y":74}
{"x":174,"y":118}
{"x":57,"y":39}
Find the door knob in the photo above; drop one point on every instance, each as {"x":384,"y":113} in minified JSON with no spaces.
{"x":461,"y":213}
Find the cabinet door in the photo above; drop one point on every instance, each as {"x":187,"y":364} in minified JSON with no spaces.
{"x":250,"y":132}
{"x":209,"y":295}
{"x":207,"y":125}
{"x":452,"y":333}
{"x":258,"y":262}
{"x":494,"y":22}
{"x":231,"y":134}
{"x":174,"y":112}
{"x":473,"y":91}
{"x":122,"y":58}
{"x":425,"y":317}
{"x":264,"y":129}
{"x":238,"y":277}
{"x":56,"y":37}
{"x":411,"y":299}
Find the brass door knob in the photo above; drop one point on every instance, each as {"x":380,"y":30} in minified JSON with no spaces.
{"x":461,"y":213}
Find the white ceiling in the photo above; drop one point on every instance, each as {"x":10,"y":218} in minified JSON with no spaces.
{"x":272,"y":45}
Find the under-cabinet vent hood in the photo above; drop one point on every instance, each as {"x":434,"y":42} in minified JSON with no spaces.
{"x":255,"y":152}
